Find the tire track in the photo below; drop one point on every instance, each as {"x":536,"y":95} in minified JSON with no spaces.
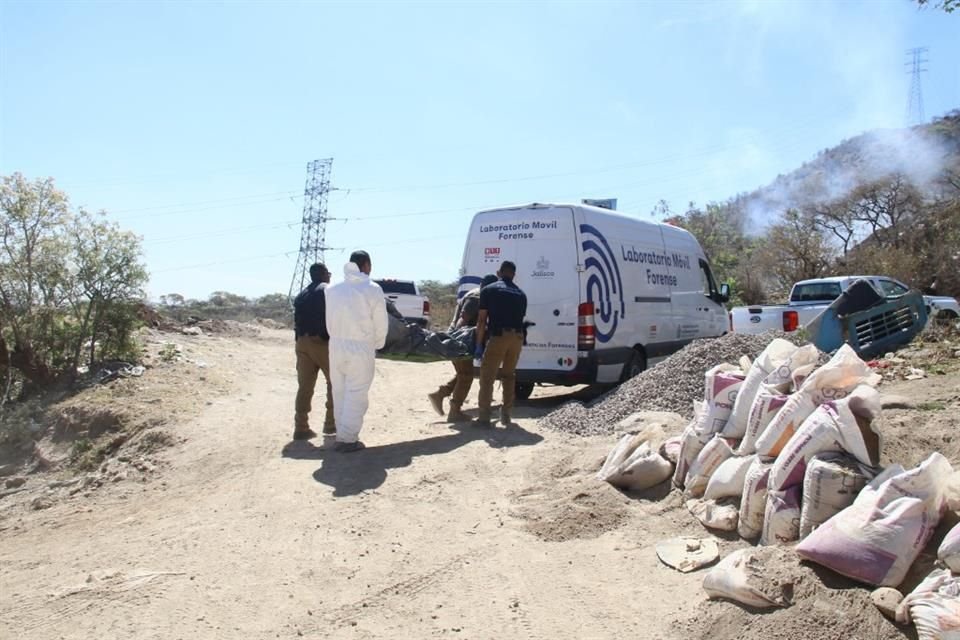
{"x":404,"y":590}
{"x":32,"y":613}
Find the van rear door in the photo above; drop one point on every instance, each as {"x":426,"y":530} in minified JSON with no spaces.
{"x":541,"y":241}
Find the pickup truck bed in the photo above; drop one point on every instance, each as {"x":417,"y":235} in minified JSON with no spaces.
{"x":405,"y":295}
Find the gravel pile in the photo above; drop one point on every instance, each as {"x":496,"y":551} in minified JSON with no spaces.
{"x":672,"y":385}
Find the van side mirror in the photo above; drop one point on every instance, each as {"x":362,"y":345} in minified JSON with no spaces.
{"x":724,"y":292}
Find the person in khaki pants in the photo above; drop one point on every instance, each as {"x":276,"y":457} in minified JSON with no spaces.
{"x":459,"y":386}
{"x":313,"y":352}
{"x":502,"y":308}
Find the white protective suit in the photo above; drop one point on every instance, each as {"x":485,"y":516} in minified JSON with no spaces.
{"x":357,"y":323}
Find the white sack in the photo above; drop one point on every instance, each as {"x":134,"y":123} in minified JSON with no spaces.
{"x":722,"y":384}
{"x":837,"y":426}
{"x":691,"y":443}
{"x":731,"y":579}
{"x":753,"y":502}
{"x":831,"y":484}
{"x":620,"y":452}
{"x":798,"y":366}
{"x":712,"y":455}
{"x":949,"y":551}
{"x":714,"y":515}
{"x":775,"y":355}
{"x":653,"y":434}
{"x":934,"y":607}
{"x":727,"y":480}
{"x":643,"y":469}
{"x":833,"y":381}
{"x":877,"y":538}
{"x":781,"y":519}
{"x":766,"y":404}
{"x":670,"y":449}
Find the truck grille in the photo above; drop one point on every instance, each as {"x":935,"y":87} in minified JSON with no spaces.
{"x":882,"y":326}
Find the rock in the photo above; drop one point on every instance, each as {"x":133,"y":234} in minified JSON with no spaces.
{"x":7,"y":470}
{"x":891,"y":401}
{"x":192,"y":331}
{"x":886,"y":600}
{"x":41,"y":502}
{"x":14,"y":482}
{"x":688,"y":554}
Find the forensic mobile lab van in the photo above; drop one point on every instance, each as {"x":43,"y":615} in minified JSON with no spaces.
{"x":607,"y":295}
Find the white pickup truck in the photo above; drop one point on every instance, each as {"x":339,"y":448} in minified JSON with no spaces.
{"x":405,"y":295}
{"x":809,"y":297}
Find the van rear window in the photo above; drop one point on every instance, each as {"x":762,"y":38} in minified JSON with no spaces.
{"x":816,"y":292}
{"x":397,"y":286}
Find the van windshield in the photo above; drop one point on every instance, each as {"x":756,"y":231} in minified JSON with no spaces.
{"x":816,"y":292}
{"x":397,"y":286}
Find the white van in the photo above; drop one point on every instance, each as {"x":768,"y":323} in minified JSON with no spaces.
{"x":608,"y":294}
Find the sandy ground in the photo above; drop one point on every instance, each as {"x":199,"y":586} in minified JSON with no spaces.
{"x":426,"y":533}
{"x":433,"y":531}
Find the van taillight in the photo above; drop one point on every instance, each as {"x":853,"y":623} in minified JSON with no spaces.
{"x":426,"y":307}
{"x":791,"y":320}
{"x":586,"y":330}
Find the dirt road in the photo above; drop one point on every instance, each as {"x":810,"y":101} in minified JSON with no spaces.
{"x":433,"y":531}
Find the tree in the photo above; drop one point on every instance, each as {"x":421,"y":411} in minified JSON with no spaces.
{"x":947,"y":5}
{"x":274,"y":300}
{"x":227,"y":299}
{"x":795,"y":249}
{"x":108,"y":274}
{"x":66,"y":280}
{"x":32,"y":263}
{"x":172,"y":300}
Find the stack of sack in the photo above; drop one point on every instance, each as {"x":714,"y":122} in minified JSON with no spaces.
{"x":934,"y":606}
{"x":877,"y":539}
{"x":784,"y":446}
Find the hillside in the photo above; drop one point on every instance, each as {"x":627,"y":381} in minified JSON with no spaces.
{"x":922,"y":154}
{"x":885,"y":202}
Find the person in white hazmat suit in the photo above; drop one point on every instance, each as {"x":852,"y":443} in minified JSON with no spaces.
{"x":357,"y":324}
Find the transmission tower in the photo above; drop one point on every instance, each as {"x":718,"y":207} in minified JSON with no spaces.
{"x":915,"y":100}
{"x":313,"y":235}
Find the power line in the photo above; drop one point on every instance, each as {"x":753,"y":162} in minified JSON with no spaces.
{"x":167,"y":177}
{"x":201,"y":202}
{"x":566,"y":174}
{"x":210,"y":208}
{"x":220,"y":232}
{"x":288,"y":253}
{"x":219,"y":262}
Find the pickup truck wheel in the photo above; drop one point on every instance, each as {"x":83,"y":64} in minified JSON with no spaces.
{"x":523,"y":390}
{"x":634,"y":366}
{"x":945,"y":317}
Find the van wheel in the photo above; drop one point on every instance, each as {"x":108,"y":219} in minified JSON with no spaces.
{"x":634,"y":366}
{"x":523,"y":390}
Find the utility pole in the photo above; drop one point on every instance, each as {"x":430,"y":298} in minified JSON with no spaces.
{"x":313,"y":235}
{"x":915,"y":100}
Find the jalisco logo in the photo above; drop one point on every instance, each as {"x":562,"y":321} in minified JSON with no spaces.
{"x":604,"y":285}
{"x":542,"y":269}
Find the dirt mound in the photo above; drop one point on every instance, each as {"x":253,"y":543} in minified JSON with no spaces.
{"x":817,"y":611}
{"x":570,"y":502}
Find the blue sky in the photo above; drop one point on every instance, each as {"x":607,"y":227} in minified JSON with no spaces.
{"x":192,"y":123}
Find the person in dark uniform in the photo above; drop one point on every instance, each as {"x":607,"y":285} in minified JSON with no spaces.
{"x":459,"y":386}
{"x":500,"y":323}
{"x":313,"y":352}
